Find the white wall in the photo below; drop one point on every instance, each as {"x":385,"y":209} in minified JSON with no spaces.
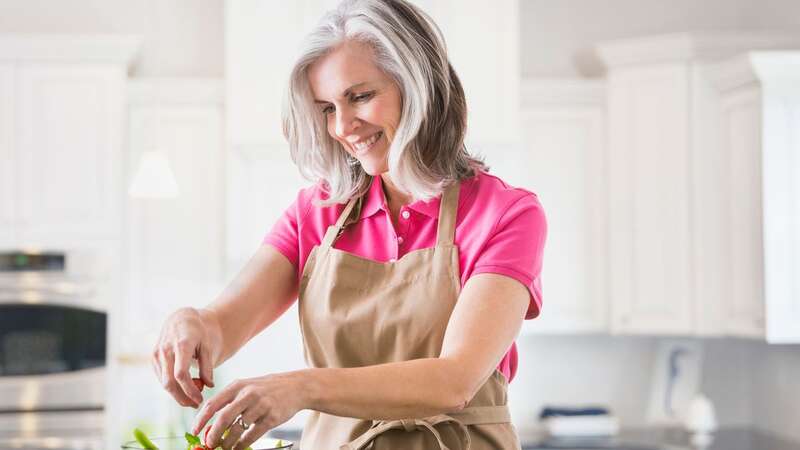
{"x":181,"y":37}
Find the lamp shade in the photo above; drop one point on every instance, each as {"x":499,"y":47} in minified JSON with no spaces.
{"x":154,"y":177}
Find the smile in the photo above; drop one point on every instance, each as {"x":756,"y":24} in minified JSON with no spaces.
{"x":366,"y":145}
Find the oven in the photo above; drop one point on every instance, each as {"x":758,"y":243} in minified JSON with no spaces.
{"x":52,"y":350}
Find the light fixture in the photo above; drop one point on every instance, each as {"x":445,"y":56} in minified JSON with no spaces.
{"x":154,"y":178}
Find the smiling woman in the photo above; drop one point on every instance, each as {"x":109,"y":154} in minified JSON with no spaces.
{"x":412,"y":266}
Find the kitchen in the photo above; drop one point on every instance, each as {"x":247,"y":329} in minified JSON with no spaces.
{"x":595,"y":107}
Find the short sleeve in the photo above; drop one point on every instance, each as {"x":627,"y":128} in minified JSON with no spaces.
{"x":284,"y":234}
{"x":516,"y":247}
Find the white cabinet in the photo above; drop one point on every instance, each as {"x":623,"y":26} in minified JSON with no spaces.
{"x":175,"y":247}
{"x":666,"y":187}
{"x":650,"y":258}
{"x":563,"y":160}
{"x":760,"y":133}
{"x":69,"y":151}
{"x":61,"y":115}
{"x":8,"y":188}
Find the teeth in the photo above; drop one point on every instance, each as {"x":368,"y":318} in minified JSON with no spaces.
{"x":363,"y":145}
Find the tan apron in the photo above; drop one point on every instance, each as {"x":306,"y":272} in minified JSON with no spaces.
{"x":357,"y":312}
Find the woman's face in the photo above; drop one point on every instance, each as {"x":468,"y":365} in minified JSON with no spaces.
{"x":361,"y":104}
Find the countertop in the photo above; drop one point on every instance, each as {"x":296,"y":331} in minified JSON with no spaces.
{"x":644,"y":439}
{"x":673,"y":439}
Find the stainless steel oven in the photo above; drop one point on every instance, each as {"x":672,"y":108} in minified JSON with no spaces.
{"x":52,"y":349}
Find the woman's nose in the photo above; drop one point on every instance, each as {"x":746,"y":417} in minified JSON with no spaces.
{"x":346,"y":122}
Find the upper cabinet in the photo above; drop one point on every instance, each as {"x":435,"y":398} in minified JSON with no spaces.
{"x":671,"y":189}
{"x":8,"y":195}
{"x":760,"y":133}
{"x":684,"y":253}
{"x":62,"y":117}
{"x":563,"y":160}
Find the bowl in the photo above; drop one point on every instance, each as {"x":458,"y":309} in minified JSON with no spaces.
{"x":179,"y":443}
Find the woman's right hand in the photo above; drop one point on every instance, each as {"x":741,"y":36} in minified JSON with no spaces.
{"x":187,"y":334}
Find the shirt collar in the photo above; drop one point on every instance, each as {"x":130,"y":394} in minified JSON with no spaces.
{"x":376,"y":200}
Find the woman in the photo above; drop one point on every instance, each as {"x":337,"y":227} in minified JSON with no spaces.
{"x":413,"y":267}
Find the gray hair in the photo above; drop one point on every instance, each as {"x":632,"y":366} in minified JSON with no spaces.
{"x":427,"y":152}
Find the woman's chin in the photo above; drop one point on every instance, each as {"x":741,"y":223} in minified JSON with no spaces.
{"x":374,"y":167}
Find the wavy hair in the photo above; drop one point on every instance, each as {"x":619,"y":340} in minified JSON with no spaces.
{"x":427,"y":151}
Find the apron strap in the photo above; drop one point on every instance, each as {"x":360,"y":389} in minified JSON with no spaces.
{"x":334,"y":231}
{"x":460,"y":419}
{"x":448,"y":208}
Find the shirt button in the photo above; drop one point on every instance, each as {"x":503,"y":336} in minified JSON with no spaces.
{"x":399,"y":239}
{"x":405,"y":214}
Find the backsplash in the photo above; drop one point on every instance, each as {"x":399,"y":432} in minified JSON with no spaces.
{"x":617,"y":372}
{"x":776,"y":390}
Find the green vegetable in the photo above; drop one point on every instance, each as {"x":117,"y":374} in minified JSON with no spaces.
{"x":193,"y":441}
{"x":142,"y":439}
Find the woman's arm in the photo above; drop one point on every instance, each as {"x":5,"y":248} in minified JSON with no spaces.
{"x":262,"y":291}
{"x":484,"y":324}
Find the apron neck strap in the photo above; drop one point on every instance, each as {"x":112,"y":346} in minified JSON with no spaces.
{"x":445,"y":233}
{"x":448,"y":208}
{"x":335,"y":231}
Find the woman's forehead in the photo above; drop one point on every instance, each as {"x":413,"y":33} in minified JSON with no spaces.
{"x":349,"y":66}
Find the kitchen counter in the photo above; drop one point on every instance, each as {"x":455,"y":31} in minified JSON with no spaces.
{"x":641,"y":439}
{"x":671,"y":439}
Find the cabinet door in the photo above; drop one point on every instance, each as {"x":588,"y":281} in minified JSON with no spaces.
{"x":562,"y":161}
{"x":741,"y":124}
{"x":8,"y":192}
{"x":68,"y":150}
{"x":176,"y":246}
{"x":650,"y":263}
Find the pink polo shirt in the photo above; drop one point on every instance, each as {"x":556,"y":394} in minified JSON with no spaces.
{"x":499,"y":229}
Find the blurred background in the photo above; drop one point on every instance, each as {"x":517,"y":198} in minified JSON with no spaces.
{"x":141,"y":163}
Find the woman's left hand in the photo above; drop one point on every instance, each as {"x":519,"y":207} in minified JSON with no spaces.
{"x":263,"y":403}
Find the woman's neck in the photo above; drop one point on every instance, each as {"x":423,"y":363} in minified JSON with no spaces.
{"x":395,"y":198}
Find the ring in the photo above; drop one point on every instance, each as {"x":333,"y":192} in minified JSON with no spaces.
{"x":241,"y":423}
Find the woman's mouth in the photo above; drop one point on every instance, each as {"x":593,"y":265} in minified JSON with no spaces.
{"x":366,"y":145}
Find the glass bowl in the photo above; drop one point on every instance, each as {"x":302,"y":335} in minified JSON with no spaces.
{"x":179,"y":443}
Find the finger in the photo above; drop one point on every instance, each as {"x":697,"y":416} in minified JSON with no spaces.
{"x":169,"y":383}
{"x":206,"y":365}
{"x":183,"y":358}
{"x":154,"y":361}
{"x":256,"y":431}
{"x":225,"y":420}
{"x":236,"y":429}
{"x":214,"y":404}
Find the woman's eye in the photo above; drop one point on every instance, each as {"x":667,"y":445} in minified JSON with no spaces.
{"x":362,"y":97}
{"x":327,"y":110}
